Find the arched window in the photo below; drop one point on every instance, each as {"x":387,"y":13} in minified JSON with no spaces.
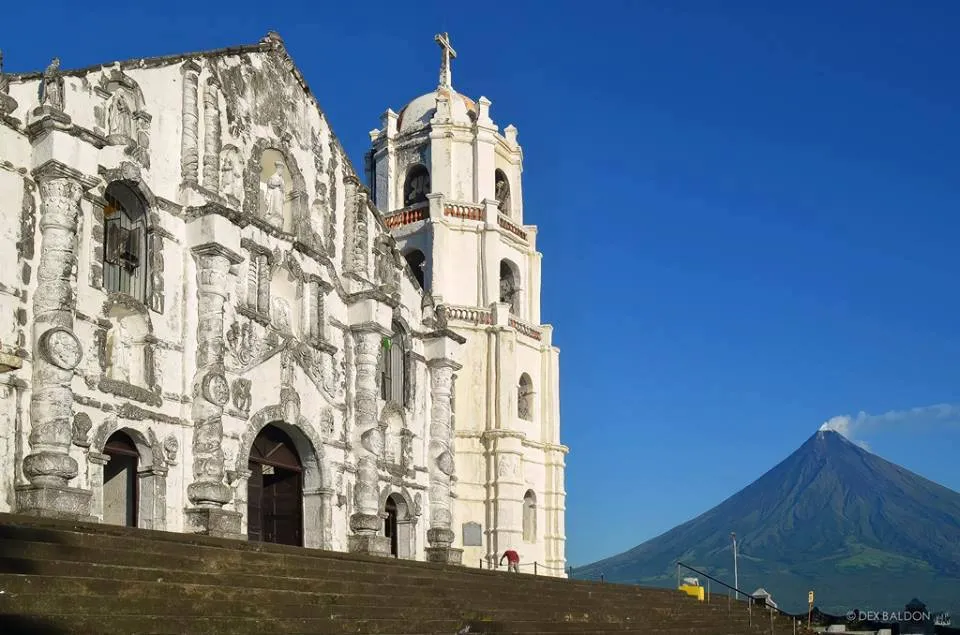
{"x":416,"y":186}
{"x":510,"y":286}
{"x":393,"y":371}
{"x":502,"y":192}
{"x":529,"y":516}
{"x":125,"y":241}
{"x":525,"y":398}
{"x":417,"y":262}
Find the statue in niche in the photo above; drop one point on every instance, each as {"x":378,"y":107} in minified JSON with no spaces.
{"x":275,"y":196}
{"x":281,"y":315}
{"x":406,"y":449}
{"x":231,"y":181}
{"x":52,"y":86}
{"x":121,"y":119}
{"x":118,"y":347}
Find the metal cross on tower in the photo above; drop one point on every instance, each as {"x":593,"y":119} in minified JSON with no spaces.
{"x":446,"y":74}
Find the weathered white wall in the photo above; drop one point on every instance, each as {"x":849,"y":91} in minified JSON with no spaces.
{"x":179,"y":159}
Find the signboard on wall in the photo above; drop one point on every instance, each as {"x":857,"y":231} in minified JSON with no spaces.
{"x":472,"y":535}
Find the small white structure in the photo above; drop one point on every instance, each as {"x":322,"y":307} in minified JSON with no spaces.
{"x":763,"y":594}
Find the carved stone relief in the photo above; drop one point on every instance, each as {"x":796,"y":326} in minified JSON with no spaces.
{"x":241,"y":395}
{"x":81,"y":430}
{"x":327,"y":425}
{"x":170,"y":447}
{"x":509,"y":465}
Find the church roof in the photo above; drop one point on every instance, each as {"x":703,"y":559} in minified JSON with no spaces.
{"x":271,"y":42}
{"x":420,"y":111}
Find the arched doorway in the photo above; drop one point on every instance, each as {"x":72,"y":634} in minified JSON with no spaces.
{"x":399,"y":525}
{"x":275,"y":490}
{"x":120,"y":487}
{"x":390,"y":525}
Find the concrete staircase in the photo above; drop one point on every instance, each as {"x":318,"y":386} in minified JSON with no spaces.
{"x":65,"y":577}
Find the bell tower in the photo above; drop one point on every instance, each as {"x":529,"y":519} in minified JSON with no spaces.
{"x":448,"y":182}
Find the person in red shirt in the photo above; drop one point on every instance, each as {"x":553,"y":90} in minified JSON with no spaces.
{"x":513,"y":560}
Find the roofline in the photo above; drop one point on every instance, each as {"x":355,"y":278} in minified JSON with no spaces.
{"x":272,"y":42}
{"x":149,"y":62}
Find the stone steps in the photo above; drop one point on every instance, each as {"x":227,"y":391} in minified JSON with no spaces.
{"x":63,"y":577}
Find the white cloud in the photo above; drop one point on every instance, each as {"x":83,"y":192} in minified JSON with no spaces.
{"x":852,"y":426}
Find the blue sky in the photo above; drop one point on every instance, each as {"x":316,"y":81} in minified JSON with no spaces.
{"x":748,"y":213}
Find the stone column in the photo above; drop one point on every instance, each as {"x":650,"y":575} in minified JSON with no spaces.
{"x":56,"y":352}
{"x":208,"y":492}
{"x":189,"y":157}
{"x":365,"y":520}
{"x":350,"y":185}
{"x":211,"y":135}
{"x":440,"y":536}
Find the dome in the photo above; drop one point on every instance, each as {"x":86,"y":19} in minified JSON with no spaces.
{"x":420,"y":111}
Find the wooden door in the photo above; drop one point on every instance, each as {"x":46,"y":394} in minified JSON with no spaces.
{"x":275,"y":490}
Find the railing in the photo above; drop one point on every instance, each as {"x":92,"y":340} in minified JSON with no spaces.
{"x":525,"y":329}
{"x":535,"y":568}
{"x":407,"y":216}
{"x":511,"y":227}
{"x":751,"y":600}
{"x":469,"y":314}
{"x":463,"y":210}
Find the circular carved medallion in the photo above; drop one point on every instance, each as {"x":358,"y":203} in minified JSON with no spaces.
{"x":215,"y":389}
{"x":61,"y":348}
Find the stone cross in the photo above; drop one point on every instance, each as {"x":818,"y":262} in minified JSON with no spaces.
{"x":446,"y":74}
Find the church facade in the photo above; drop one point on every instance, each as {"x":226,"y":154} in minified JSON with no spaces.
{"x":213,"y":324}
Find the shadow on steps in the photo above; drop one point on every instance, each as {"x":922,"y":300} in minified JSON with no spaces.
{"x":12,"y":562}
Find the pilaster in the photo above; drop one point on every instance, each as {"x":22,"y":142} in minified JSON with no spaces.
{"x":439,"y":275}
{"x":56,"y":352}
{"x":190,"y":118}
{"x":490,"y":260}
{"x":441,"y":465}
{"x":365,"y":521}
{"x":505,"y":459}
{"x":386,"y":186}
{"x":534,"y":260}
{"x":484,"y":153}
{"x":211,"y":135}
{"x":208,"y":492}
{"x":442,"y":157}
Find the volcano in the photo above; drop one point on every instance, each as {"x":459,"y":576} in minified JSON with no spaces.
{"x":862,"y":532}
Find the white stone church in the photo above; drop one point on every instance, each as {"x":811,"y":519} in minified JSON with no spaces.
{"x":210,"y":323}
